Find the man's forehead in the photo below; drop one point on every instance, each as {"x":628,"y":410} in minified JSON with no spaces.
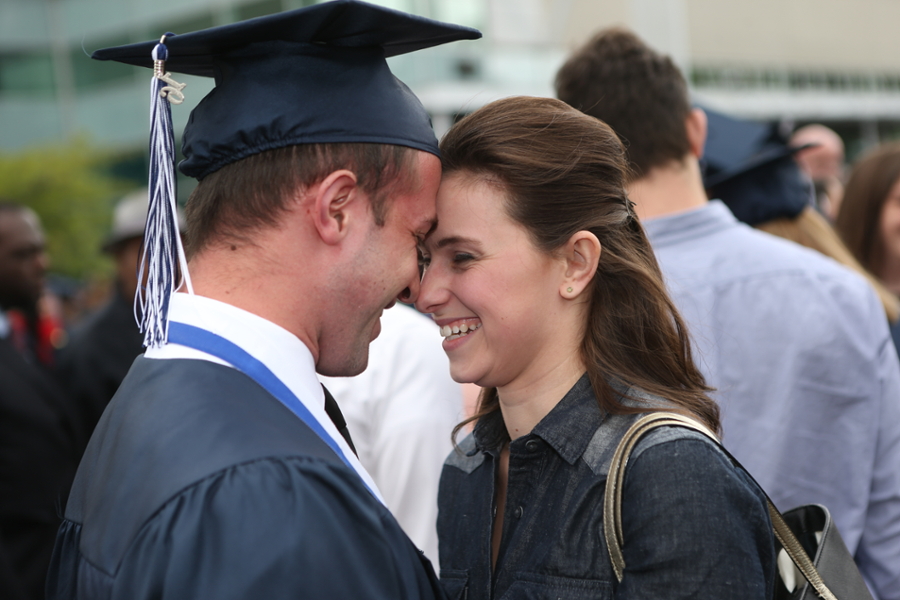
{"x":428,"y":226}
{"x":17,"y":226}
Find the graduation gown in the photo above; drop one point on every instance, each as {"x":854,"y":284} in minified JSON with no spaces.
{"x":199,"y":484}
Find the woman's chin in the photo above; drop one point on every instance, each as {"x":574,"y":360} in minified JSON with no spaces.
{"x":464,"y":374}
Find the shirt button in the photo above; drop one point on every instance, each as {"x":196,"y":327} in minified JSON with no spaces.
{"x":532,"y":445}
{"x":518,"y":512}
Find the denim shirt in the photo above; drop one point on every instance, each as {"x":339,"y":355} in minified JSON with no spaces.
{"x":694,"y":525}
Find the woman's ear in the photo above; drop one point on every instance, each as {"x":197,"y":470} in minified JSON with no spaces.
{"x":333,"y":204}
{"x":582,"y":255}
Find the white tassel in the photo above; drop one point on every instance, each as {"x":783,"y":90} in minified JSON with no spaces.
{"x":162,"y":250}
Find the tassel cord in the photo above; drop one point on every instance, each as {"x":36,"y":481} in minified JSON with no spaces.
{"x":162,"y":252}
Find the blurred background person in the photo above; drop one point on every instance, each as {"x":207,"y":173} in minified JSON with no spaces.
{"x":869,"y":221}
{"x":26,"y":319}
{"x":39,"y":439}
{"x":823,"y":162}
{"x":869,"y":218}
{"x":102,"y":348}
{"x":796,"y":346}
{"x":749,"y":167}
{"x":401,"y":412}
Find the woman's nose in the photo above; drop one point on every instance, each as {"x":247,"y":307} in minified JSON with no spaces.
{"x":431,"y":294}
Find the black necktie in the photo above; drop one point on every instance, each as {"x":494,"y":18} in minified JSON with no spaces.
{"x":334,"y":413}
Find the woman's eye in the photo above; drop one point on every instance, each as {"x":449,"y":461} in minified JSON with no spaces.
{"x":462,"y":257}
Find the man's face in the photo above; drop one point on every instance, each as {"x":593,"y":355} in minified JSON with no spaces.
{"x":385,"y":268}
{"x":23,"y":261}
{"x":127,"y":254}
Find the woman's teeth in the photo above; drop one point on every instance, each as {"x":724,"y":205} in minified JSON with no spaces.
{"x":457,"y":331}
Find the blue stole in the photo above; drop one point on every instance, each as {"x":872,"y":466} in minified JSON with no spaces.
{"x":216,"y":345}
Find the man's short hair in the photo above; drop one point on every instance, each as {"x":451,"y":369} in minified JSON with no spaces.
{"x":253,"y":192}
{"x":638,"y":92}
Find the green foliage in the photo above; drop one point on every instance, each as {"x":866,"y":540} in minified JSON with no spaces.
{"x":69,"y":186}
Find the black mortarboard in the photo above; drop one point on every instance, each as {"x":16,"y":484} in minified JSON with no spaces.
{"x":750,"y":167}
{"x":312,"y":75}
{"x":307,"y":76}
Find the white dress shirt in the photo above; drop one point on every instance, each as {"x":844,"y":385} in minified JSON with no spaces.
{"x":400,"y":412}
{"x":279,"y":350}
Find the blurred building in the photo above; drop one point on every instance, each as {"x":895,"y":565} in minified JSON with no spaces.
{"x":830,"y":61}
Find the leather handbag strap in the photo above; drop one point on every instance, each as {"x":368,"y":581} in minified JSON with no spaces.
{"x":612,"y":502}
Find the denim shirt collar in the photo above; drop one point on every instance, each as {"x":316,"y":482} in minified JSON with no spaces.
{"x":567,"y":428}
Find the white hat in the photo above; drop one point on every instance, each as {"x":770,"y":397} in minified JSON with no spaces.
{"x":130,"y":217}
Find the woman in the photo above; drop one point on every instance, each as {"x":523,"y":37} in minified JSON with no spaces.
{"x":869,"y":217}
{"x":549,"y":297}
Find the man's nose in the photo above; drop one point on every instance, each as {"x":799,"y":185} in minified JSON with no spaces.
{"x":42,"y":261}
{"x":410,"y":294}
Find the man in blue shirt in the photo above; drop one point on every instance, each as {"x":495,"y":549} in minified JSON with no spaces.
{"x":797,"y":346}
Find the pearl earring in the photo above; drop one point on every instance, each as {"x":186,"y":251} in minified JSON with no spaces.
{"x":568,"y":289}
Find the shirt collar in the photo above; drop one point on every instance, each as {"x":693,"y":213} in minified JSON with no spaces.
{"x":567,"y":428}
{"x":570,"y":426}
{"x":673,"y":229}
{"x":279,"y":350}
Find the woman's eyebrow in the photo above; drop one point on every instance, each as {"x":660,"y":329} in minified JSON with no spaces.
{"x":451,"y":240}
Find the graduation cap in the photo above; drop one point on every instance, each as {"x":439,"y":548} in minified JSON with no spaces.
{"x":312,"y":75}
{"x":750,"y":167}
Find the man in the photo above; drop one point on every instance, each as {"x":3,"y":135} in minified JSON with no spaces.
{"x":797,"y":346}
{"x":220,"y":468}
{"x":100,"y":352}
{"x":38,"y":438}
{"x":22,"y":272}
{"x":23,"y":262}
{"x":823,"y":163}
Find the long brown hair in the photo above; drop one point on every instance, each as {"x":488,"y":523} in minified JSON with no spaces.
{"x":564,"y":172}
{"x":866,"y":192}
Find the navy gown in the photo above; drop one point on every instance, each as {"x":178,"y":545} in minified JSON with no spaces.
{"x":199,"y":484}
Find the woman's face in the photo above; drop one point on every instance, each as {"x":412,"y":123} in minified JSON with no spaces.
{"x":889,"y":226}
{"x":494,"y":294}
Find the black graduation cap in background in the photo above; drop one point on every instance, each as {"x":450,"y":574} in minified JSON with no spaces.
{"x":311,"y":75}
{"x":750,"y":167}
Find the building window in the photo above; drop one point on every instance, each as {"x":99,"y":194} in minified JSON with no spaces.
{"x":259,"y":8}
{"x":87,"y":73}
{"x":30,"y":73}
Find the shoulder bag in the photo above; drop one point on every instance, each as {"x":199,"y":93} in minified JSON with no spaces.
{"x":808,"y":544}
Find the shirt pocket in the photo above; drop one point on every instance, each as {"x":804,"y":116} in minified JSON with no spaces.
{"x":534,"y":586}
{"x":455,"y":584}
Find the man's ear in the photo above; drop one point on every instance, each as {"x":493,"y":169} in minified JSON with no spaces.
{"x":582,"y":255}
{"x":334,"y":199}
{"x":696,"y":127}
